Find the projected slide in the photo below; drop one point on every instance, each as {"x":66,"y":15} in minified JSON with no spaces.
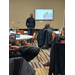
{"x":43,"y":14}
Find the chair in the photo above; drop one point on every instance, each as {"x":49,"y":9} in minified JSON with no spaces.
{"x":29,"y":44}
{"x":19,"y":66}
{"x":62,"y":34}
{"x":53,"y":36}
{"x":33,"y":37}
{"x":20,"y":32}
{"x":57,"y":59}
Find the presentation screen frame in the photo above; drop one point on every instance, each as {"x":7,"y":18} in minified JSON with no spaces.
{"x":44,"y":19}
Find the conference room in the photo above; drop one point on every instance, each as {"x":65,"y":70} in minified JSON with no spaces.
{"x":36,"y":37}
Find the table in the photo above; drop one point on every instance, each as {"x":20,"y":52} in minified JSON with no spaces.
{"x":12,"y":32}
{"x":57,"y":32}
{"x":25,"y":32}
{"x":24,"y":37}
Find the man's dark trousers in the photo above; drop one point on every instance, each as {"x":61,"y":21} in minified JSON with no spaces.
{"x":30,"y":32}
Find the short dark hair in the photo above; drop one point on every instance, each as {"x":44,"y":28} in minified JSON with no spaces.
{"x":12,"y":41}
{"x":47,"y":25}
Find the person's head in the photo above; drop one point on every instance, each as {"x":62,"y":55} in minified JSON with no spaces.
{"x":63,"y":30}
{"x":12,"y":41}
{"x":31,"y":15}
{"x":47,"y":25}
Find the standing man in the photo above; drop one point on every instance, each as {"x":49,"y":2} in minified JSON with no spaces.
{"x":30,"y":23}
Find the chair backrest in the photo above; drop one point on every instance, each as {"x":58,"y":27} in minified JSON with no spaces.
{"x":19,"y":66}
{"x":20,"y":31}
{"x":33,"y":37}
{"x":57,"y":59}
{"x":62,"y":34}
{"x":53,"y":36}
{"x":60,"y":57}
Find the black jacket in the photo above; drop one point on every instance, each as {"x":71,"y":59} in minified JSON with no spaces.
{"x":57,"y":59}
{"x":58,"y":38}
{"x":41,"y":37}
{"x":48,"y":39}
{"x":30,"y":23}
{"x":19,"y":66}
{"x":44,"y":37}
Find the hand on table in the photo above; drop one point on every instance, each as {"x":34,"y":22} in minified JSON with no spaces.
{"x":13,"y":49}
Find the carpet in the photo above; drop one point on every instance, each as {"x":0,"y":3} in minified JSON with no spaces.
{"x":39,"y":60}
{"x":42,"y":57}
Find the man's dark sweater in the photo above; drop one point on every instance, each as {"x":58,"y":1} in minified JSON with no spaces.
{"x":30,"y":23}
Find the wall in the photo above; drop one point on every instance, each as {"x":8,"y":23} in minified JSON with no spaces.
{"x":21,"y":9}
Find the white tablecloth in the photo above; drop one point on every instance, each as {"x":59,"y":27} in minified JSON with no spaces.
{"x":24,"y":37}
{"x":25,"y":32}
{"x":12,"y":32}
{"x":56,"y":32}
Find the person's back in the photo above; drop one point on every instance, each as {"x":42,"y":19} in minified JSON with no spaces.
{"x":49,"y":29}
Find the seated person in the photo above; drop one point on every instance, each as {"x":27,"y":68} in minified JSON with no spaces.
{"x":48,"y":28}
{"x":27,"y":52}
{"x":61,"y":39}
